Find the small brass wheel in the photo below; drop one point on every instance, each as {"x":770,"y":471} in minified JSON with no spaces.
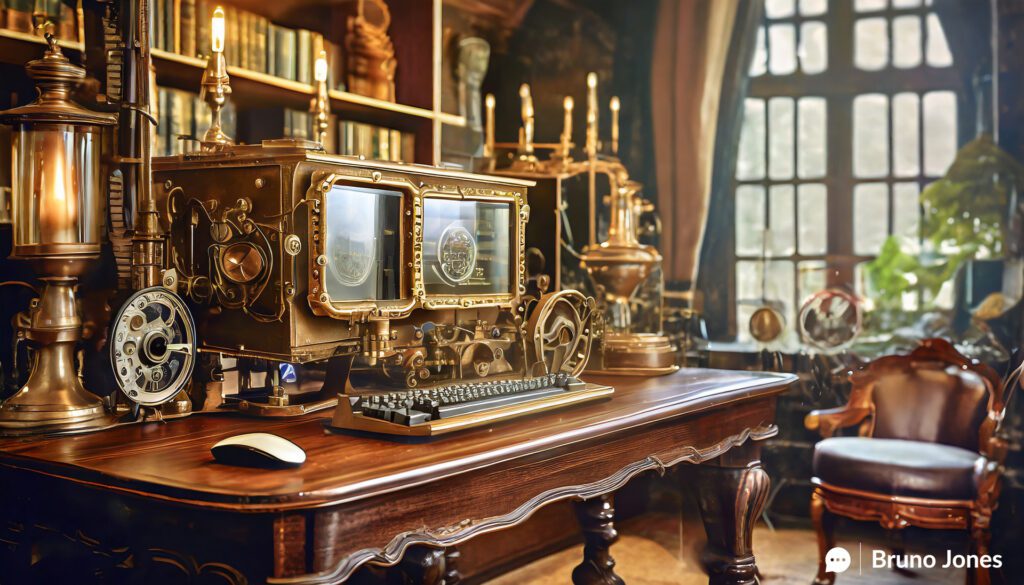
{"x":559,"y":333}
{"x":153,"y":346}
{"x":242,"y":263}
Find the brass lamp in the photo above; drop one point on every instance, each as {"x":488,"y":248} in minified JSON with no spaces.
{"x":57,"y":221}
{"x":215,"y":87}
{"x":321,"y":104}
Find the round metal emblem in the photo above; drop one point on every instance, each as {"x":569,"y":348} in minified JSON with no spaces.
{"x":456,"y":253}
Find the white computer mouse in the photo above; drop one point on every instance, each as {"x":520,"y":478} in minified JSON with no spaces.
{"x":258,"y":450}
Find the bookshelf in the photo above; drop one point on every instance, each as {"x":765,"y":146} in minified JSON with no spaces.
{"x":415,"y":31}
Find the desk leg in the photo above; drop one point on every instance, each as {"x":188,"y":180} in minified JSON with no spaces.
{"x":429,"y":566}
{"x":731,"y":500}
{"x":596,"y":517}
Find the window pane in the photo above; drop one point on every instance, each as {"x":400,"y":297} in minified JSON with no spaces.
{"x":870,"y":217}
{"x":813,"y":7}
{"x":782,"y":221}
{"x":871,"y":48}
{"x":780,"y":138}
{"x":813,"y":199}
{"x":812,"y":279}
{"x":906,"y":134}
{"x":813,"y":47}
{"x":812,"y":145}
{"x":868,"y":5}
{"x":780,"y":287}
{"x":871,"y":135}
{"x":779,"y":8}
{"x":905,"y":3}
{"x":906,"y":215}
{"x":906,"y":39}
{"x":939,"y":131}
{"x":748,"y":282}
{"x":782,"y":49}
{"x":750,"y":160}
{"x":937,"y":49}
{"x":750,"y":208}
{"x":759,"y":64}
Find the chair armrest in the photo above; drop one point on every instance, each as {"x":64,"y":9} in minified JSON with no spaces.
{"x":828,"y":420}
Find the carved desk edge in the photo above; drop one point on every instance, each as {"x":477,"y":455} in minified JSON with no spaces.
{"x":259,"y":503}
{"x":448,"y":536}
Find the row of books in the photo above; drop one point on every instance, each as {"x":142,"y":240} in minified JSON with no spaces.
{"x":250,"y":41}
{"x":182,"y":114}
{"x":53,"y":16}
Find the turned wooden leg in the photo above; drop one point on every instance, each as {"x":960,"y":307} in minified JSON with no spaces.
{"x":980,"y":539}
{"x":824,"y":526}
{"x":596,"y":517}
{"x":731,"y":500}
{"x":423,"y":565}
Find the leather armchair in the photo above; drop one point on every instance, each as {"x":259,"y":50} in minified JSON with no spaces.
{"x":926,"y":452}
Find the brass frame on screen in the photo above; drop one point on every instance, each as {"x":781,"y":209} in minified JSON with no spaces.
{"x":411,"y":255}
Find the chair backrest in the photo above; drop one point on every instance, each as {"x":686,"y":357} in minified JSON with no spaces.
{"x":934,"y":394}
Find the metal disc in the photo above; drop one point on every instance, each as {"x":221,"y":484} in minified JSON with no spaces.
{"x":153,"y":346}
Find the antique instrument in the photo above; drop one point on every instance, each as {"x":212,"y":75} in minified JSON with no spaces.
{"x":624,"y":274}
{"x":399,"y":287}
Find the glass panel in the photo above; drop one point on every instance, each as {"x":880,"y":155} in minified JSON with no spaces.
{"x":905,"y":3}
{"x":750,"y":208}
{"x":814,"y":47}
{"x":813,"y":7}
{"x":748,"y":283}
{"x":871,"y":44}
{"x":780,"y":136}
{"x":782,"y":221}
{"x":937,"y":49}
{"x":759,"y":64}
{"x":812,"y":275}
{"x":467,"y":247}
{"x":870,"y":217}
{"x":813,"y":225}
{"x":781,"y":287}
{"x":869,"y":5}
{"x":811,"y":128}
{"x":750,"y":163}
{"x":906,"y":134}
{"x":363,"y":244}
{"x":779,"y":8}
{"x":782,"y":53}
{"x":940,"y":136}
{"x":906,"y":212}
{"x":906,"y":40}
{"x":871,"y":135}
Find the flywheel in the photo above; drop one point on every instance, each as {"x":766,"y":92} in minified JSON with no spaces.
{"x":559,"y":333}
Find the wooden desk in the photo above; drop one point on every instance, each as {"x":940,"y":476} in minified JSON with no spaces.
{"x":149,"y":501}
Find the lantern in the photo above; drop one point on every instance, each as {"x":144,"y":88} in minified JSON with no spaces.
{"x":57,"y":223}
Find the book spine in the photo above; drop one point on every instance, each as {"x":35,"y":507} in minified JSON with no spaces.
{"x":231,"y":24}
{"x":203,"y":15}
{"x":176,"y":26}
{"x":272,"y":49}
{"x":188,"y":27}
{"x":260,"y":48}
{"x":304,"y":63}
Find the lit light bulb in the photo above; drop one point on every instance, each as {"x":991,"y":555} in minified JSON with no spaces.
{"x":489,"y":100}
{"x":591,"y":79}
{"x":217,"y":29}
{"x":615,"y":104}
{"x":568,"y":103}
{"x":320,"y":70}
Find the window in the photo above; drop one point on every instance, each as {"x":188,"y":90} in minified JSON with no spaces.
{"x":852,"y":110}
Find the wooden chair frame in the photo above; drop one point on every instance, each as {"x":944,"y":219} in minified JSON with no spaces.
{"x":898,"y":512}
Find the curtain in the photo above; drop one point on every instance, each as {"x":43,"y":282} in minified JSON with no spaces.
{"x":696,"y":88}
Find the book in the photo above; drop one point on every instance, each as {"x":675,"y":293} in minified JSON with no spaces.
{"x":304,"y":57}
{"x":187,"y":30}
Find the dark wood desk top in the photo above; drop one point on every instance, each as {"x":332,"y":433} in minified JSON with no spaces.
{"x":173,"y":461}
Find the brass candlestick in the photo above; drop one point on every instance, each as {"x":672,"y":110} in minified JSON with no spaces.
{"x":216,"y":86}
{"x":57,"y":226}
{"x":526,"y":158}
{"x":322,"y":102}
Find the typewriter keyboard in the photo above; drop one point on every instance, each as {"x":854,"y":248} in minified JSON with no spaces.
{"x":414,"y":407}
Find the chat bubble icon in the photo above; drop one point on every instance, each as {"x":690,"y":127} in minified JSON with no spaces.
{"x":837,"y":560}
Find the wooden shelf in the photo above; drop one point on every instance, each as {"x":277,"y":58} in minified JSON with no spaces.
{"x":249,"y":88}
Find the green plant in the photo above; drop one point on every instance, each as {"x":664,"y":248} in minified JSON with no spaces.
{"x":965,"y":217}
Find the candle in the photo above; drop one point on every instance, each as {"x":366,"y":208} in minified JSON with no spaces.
{"x":58,"y":207}
{"x":615,"y":106}
{"x":489,"y":126}
{"x":527,"y":112}
{"x":592,"y":113}
{"x":320,"y":69}
{"x":568,"y":105}
{"x":217,"y":30}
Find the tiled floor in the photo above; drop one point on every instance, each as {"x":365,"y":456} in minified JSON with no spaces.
{"x":652,"y":552}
